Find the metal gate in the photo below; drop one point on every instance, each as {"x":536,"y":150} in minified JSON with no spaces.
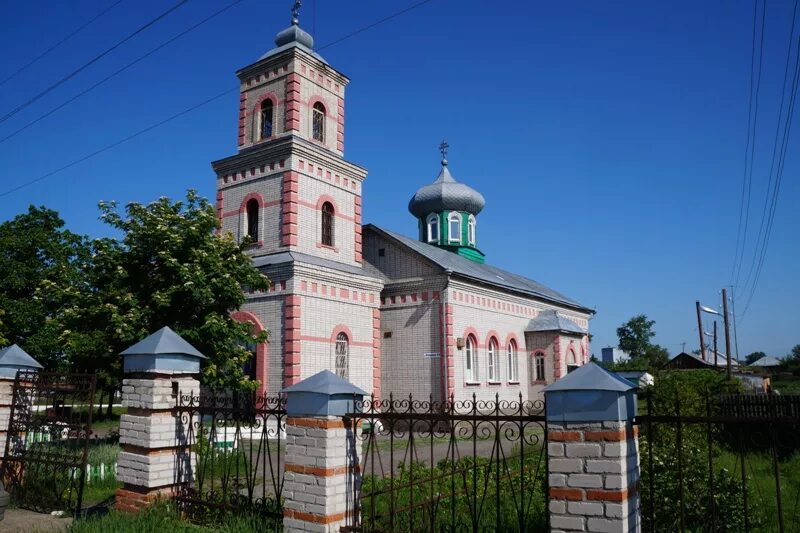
{"x":48,"y":438}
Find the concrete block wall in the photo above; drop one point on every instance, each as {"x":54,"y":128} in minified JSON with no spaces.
{"x":593,"y":477}
{"x":321,"y":467}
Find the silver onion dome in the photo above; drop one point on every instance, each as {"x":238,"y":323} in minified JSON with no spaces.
{"x":446,"y":194}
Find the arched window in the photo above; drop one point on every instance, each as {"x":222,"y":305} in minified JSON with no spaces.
{"x":252,"y":219}
{"x":318,"y":122}
{"x":266,"y":119}
{"x":249,"y":367}
{"x":327,"y":224}
{"x":572,"y":361}
{"x":471,"y":230}
{"x":538,"y":372}
{"x":471,"y":360}
{"x":454,"y":223}
{"x":513,"y":361}
{"x":433,"y":227}
{"x":342,"y":353}
{"x":493,"y":358}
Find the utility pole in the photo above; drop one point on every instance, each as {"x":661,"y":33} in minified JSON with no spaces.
{"x":735,"y":329}
{"x":715,"y":345}
{"x":727,"y":331}
{"x":700,"y":331}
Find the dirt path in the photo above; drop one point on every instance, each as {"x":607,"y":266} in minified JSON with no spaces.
{"x":24,"y":521}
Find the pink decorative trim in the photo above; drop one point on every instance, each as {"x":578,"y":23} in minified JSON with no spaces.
{"x":376,"y":352}
{"x":291,"y":341}
{"x":557,"y":357}
{"x":534,"y":355}
{"x":220,"y":207}
{"x":493,"y":335}
{"x":512,"y":337}
{"x":292,"y":112}
{"x":242,"y":115}
{"x":262,"y":349}
{"x":251,"y":196}
{"x":289,"y":207}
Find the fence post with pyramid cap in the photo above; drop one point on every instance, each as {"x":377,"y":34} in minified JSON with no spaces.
{"x":155,"y":457}
{"x":593,"y":452}
{"x":322,"y":463}
{"x":12,"y":359}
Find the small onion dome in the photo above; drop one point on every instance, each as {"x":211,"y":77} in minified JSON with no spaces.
{"x":446,"y":194}
{"x":292,"y":34}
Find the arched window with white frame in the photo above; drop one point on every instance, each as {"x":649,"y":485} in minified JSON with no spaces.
{"x":471,"y":230}
{"x":471,"y":360}
{"x":432,"y":223}
{"x":493,"y":359}
{"x":454,"y":227}
{"x":513,"y":361}
{"x":342,"y":354}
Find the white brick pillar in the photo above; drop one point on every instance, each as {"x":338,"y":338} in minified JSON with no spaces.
{"x":593,"y":453}
{"x":155,"y":454}
{"x":6,"y":397}
{"x":322,"y":462}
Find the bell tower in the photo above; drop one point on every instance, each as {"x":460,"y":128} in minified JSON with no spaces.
{"x":289,"y":187}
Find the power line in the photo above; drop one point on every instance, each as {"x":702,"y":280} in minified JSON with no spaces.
{"x":90,"y":62}
{"x":752,"y":127}
{"x":778,"y":179}
{"x":119,"y":71}
{"x":775,"y":175}
{"x":185,"y":111}
{"x":118,"y":142}
{"x":59,"y":43}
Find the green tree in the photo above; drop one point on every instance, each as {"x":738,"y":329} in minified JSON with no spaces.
{"x":3,"y":340}
{"x":635,"y":334}
{"x":794,"y":355}
{"x":171,"y":267}
{"x":753,"y":357}
{"x":37,"y":252}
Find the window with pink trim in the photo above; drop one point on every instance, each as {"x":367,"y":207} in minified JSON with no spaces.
{"x":471,"y":360}
{"x":513,"y":361}
{"x":539,"y":368}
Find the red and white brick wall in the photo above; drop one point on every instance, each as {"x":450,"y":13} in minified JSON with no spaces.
{"x":268,"y":307}
{"x":262,"y":182}
{"x":270,"y":84}
{"x":318,"y":85}
{"x":397,"y":262}
{"x":315,"y":186}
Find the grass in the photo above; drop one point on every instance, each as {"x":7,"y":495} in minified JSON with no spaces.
{"x":762,"y":487}
{"x":163,"y":517}
{"x":786,"y":386}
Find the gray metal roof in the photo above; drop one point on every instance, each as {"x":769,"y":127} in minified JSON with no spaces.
{"x":15,"y":356}
{"x":479,"y":271}
{"x":445,"y":194}
{"x":287,"y":257}
{"x":591,"y":376}
{"x":551,"y":321}
{"x":325,"y":382}
{"x":721,"y":359}
{"x":163,"y":342}
{"x":767,"y":360}
{"x":293,"y":36}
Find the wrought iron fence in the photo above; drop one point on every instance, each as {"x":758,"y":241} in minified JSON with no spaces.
{"x":47,"y":441}
{"x":459,"y":465}
{"x":720,"y":463}
{"x":234,"y":444}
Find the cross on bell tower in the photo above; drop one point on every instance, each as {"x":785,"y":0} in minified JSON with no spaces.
{"x":443,"y":147}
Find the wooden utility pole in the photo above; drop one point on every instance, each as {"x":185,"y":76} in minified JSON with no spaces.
{"x":727,"y":330}
{"x":715,"y":345}
{"x":700,"y":331}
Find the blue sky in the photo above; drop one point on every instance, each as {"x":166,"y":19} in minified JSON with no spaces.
{"x":607,"y":137}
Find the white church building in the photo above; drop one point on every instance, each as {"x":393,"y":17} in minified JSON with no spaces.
{"x":426,"y":316}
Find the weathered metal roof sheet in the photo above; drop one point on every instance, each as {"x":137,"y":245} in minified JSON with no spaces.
{"x":591,"y":376}
{"x":767,"y":360}
{"x":163,"y":342}
{"x":325,"y":382}
{"x":15,"y":356}
{"x":551,"y":321}
{"x":481,"y":272}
